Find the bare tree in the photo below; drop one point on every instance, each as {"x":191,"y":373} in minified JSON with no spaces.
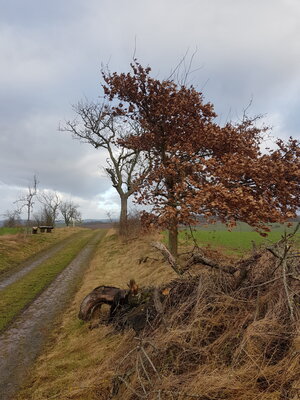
{"x":38,"y":218}
{"x":12,"y":218}
{"x":43,"y":217}
{"x":102,"y":128}
{"x":70,"y":212}
{"x":51,"y":202}
{"x":27,"y":200}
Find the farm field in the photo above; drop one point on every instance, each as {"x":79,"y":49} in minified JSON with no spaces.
{"x":237,"y":241}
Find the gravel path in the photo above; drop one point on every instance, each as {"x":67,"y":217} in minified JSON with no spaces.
{"x":23,"y":341}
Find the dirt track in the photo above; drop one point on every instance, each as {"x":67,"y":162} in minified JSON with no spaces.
{"x":23,"y":341}
{"x":12,"y":276}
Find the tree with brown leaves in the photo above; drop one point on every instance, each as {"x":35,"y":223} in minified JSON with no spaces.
{"x":197,"y":166}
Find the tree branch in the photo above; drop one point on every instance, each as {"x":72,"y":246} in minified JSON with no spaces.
{"x":201,"y":259}
{"x":168,"y":256}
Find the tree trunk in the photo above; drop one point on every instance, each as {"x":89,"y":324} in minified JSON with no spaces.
{"x":173,"y":240}
{"x":173,"y":230}
{"x":28,"y":220}
{"x":123,"y":216}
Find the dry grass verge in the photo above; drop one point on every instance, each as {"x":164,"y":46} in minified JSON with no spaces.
{"x":217,"y":341}
{"x":79,"y":358}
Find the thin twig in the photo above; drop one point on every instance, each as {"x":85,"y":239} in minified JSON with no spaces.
{"x":294,"y":231}
{"x":127,"y":355}
{"x":271,"y":250}
{"x":196,"y":246}
{"x":257,"y":305}
{"x":144,"y":369}
{"x":148,"y":320}
{"x":284,"y":278}
{"x":150,"y":362}
{"x":138,"y":374}
{"x":294,"y":256}
{"x":131,"y":388}
{"x":278,"y":264}
{"x":254,"y":362}
{"x":159,"y":307}
{"x":263,"y":283}
{"x":294,"y":277}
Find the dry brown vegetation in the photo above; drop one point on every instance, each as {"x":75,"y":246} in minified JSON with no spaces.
{"x":213,"y":340}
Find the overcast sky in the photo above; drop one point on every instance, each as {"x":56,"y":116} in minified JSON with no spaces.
{"x":51,"y":55}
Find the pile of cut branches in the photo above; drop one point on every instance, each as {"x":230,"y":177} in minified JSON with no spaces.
{"x":222,"y":332}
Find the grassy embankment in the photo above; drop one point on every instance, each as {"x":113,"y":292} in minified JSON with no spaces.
{"x":78,"y":358}
{"x":17,"y":295}
{"x":15,"y":248}
{"x":222,"y":348}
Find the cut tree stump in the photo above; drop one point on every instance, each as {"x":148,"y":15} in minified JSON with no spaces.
{"x":100,"y":295}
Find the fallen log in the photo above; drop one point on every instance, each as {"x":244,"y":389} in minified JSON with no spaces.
{"x":100,"y":295}
{"x":113,"y":296}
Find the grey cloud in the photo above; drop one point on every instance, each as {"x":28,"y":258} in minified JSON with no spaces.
{"x":59,"y":161}
{"x":32,"y":13}
{"x":51,"y":54}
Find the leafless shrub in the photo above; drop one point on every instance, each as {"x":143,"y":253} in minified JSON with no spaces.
{"x":12,"y":219}
{"x":133,"y":226}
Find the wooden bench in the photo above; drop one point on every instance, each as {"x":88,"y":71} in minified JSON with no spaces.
{"x":45,"y":228}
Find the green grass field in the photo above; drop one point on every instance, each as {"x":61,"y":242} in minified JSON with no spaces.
{"x":238,"y":241}
{"x":10,"y":231}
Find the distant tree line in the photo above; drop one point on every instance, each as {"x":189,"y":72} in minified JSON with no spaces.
{"x":51,"y":206}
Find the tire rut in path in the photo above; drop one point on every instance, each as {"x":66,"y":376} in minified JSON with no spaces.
{"x":23,"y":341}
